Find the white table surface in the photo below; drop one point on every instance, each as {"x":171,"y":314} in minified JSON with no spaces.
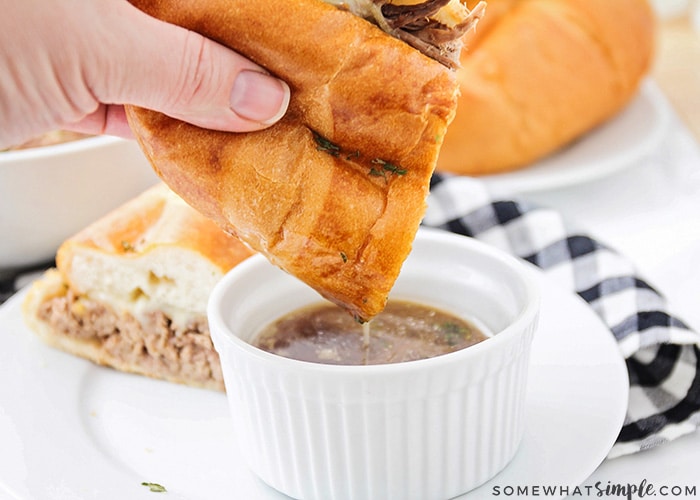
{"x":650,"y":213}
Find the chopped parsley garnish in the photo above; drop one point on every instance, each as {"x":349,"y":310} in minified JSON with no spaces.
{"x":379,"y":168}
{"x":389,"y":167}
{"x":454,"y":333}
{"x":323,"y":144}
{"x":154,"y":487}
{"x":127,"y":247}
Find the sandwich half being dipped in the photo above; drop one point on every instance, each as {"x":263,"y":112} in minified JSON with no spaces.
{"x":334,"y":192}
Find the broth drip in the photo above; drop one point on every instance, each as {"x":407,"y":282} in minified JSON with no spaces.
{"x":366,"y":339}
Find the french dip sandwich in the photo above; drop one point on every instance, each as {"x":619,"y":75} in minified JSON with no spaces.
{"x":334,"y":192}
{"x":130,"y":290}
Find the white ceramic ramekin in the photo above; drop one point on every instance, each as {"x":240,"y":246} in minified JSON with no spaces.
{"x":427,"y":429}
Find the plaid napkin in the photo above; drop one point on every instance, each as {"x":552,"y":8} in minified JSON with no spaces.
{"x":661,"y":352}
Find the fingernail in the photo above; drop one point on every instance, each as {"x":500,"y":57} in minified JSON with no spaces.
{"x":259,"y":97}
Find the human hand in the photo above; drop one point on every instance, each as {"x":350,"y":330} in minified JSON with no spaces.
{"x":72,"y":64}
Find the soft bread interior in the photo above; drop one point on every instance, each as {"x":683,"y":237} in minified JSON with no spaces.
{"x":172,"y":280}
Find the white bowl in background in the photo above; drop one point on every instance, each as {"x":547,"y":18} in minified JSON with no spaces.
{"x":49,"y":193}
{"x":427,"y":429}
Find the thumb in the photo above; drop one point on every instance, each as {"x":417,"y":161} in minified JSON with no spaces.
{"x":180,"y":73}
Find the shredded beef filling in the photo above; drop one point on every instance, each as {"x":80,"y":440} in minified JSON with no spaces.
{"x":412,"y":24}
{"x":153,"y":347}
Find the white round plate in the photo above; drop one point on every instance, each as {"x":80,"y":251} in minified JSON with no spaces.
{"x":73,"y":430}
{"x":620,"y":143}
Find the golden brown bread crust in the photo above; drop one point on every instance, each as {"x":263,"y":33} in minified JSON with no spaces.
{"x":539,"y":74}
{"x":155,"y":219}
{"x":342,"y":220}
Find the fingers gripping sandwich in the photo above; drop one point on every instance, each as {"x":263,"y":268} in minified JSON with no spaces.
{"x":335,"y":191}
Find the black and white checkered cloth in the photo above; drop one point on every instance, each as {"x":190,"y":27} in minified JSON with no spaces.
{"x":661,"y":352}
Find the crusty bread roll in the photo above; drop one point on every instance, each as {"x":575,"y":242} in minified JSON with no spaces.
{"x":538,"y":74}
{"x":130,"y":290}
{"x":334,"y":193}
